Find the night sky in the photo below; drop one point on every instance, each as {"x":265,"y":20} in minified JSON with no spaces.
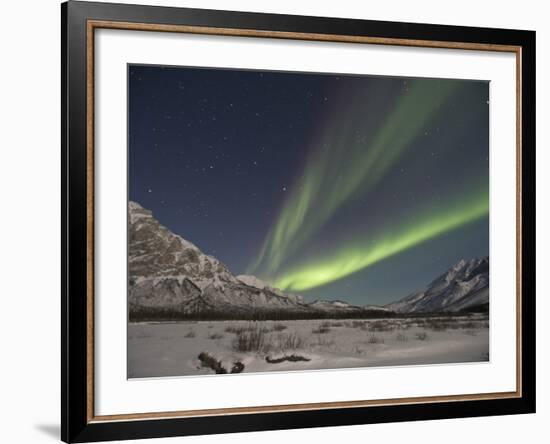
{"x":332,"y":186}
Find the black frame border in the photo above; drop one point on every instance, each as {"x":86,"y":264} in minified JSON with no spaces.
{"x":75,"y":424}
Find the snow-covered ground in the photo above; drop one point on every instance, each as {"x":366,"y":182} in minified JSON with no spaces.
{"x":173,"y":349}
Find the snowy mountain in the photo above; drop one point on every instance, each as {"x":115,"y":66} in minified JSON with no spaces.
{"x":333,"y":306}
{"x":376,"y":308}
{"x":168,"y":273}
{"x":462,"y":287}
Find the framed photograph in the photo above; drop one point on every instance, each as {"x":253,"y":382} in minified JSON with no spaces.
{"x":276,"y":221}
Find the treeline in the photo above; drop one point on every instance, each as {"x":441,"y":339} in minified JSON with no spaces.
{"x":149,"y":314}
{"x":145,"y":314}
{"x":481,"y":308}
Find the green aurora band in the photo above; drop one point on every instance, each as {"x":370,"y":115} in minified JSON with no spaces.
{"x":365,"y":252}
{"x":349,"y":159}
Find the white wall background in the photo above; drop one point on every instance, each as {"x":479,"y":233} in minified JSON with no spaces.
{"x":30,"y":209}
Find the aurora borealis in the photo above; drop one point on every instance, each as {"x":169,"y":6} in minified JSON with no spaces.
{"x":366,"y":159}
{"x":361,"y":253}
{"x":338,"y":187}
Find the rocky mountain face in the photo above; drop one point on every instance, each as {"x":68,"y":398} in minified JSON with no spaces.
{"x":464,"y":286}
{"x":169,"y":273}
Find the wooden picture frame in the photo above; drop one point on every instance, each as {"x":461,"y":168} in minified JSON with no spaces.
{"x":80,"y":20}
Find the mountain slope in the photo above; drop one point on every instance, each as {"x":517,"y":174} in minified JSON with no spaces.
{"x":463,"y":286}
{"x":253,"y":281}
